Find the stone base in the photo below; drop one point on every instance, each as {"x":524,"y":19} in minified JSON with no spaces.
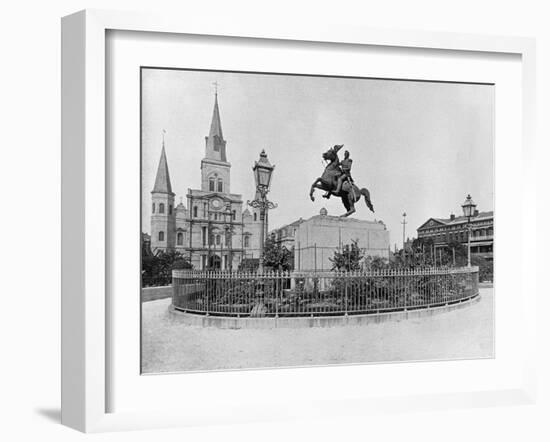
{"x":225,"y":322}
{"x":317,"y":238}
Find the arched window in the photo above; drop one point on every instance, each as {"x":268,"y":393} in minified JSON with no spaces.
{"x":161,"y":208}
{"x":247,"y":241}
{"x":180,"y":239}
{"x":218,"y":240}
{"x":161,"y":236}
{"x":153,"y":207}
{"x":255,"y":216}
{"x":211,"y":184}
{"x":220,"y":185}
{"x":233,"y":215}
{"x":195,"y":211}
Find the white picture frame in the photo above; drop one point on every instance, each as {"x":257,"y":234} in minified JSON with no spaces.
{"x":85,"y":351}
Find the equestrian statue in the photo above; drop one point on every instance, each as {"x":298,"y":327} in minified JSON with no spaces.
{"x":336,"y":180}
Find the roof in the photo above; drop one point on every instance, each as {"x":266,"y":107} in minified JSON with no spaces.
{"x":162,"y":182}
{"x":432,"y":222}
{"x":292,"y":224}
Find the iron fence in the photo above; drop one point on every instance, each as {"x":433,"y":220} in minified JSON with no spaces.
{"x":320,"y":293}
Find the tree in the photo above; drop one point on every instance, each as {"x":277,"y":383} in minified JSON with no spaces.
{"x":181,"y":263}
{"x":485,"y":268}
{"x":375,"y":263}
{"x":277,"y":256}
{"x":348,"y":258}
{"x":423,"y":253}
{"x":457,"y":253}
{"x":157,"y":269}
{"x":249,"y":265}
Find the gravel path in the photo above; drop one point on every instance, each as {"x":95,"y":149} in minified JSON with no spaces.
{"x":169,"y":345}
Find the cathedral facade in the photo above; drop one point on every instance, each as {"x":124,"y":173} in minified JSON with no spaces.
{"x":214,"y":231}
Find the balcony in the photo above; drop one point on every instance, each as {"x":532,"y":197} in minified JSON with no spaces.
{"x":481,"y":238}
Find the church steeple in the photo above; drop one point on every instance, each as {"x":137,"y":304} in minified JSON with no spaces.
{"x":162,"y":182}
{"x":216,"y":125}
{"x":215,"y":144}
{"x":215,"y":170}
{"x":163,"y":217}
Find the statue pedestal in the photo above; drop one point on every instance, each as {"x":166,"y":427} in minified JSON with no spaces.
{"x":317,"y":238}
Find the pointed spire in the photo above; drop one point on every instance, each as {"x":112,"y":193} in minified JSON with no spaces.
{"x":216,"y":124}
{"x":162,"y":182}
{"x":215,"y":144}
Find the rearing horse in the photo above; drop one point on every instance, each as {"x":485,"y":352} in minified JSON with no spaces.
{"x":349,"y":193}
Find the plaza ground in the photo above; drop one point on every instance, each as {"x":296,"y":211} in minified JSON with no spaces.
{"x":169,"y":345}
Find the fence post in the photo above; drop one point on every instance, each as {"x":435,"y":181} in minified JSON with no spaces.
{"x":407,"y":284}
{"x":207,"y":286}
{"x":278,"y":288}
{"x":345,"y":296}
{"x":174,"y":289}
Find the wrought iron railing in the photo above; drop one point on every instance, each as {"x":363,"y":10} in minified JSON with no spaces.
{"x":320,"y":294}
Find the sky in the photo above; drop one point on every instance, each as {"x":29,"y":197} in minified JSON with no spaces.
{"x":419,"y":147}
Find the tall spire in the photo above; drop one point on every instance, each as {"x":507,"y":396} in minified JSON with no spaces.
{"x":216,"y":125}
{"x":162,"y":182}
{"x":215,"y":144}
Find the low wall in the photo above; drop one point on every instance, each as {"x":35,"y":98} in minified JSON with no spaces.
{"x":224,"y":322}
{"x":154,"y":293}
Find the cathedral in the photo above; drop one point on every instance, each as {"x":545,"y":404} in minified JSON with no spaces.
{"x":213,"y":231}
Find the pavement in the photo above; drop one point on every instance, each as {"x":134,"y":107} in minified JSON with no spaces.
{"x":169,"y":345}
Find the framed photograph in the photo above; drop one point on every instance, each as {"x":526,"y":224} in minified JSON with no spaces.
{"x":260,"y":222}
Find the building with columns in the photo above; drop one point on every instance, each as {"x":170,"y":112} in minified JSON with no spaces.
{"x":214,"y":230}
{"x":443,"y":231}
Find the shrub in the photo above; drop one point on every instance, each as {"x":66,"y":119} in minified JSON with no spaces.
{"x":181,"y":264}
{"x":485,"y":268}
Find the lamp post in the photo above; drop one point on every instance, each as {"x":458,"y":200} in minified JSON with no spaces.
{"x":263,"y":171}
{"x":469,"y":209}
{"x":404,"y":222}
{"x":229,"y":235}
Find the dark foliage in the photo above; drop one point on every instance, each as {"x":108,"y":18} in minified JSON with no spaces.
{"x":348,"y":258}
{"x":157,"y":269}
{"x":277,"y":257}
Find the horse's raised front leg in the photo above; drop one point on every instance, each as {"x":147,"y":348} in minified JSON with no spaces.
{"x":313,"y":186}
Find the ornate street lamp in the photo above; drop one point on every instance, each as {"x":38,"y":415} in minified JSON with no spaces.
{"x":229,"y":235}
{"x":469,"y":208}
{"x":263,"y":171}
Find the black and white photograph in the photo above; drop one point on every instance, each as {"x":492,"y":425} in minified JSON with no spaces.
{"x":241,"y":220}
{"x":296,"y":220}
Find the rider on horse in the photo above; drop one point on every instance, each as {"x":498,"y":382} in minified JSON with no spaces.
{"x":333,"y":178}
{"x":345,"y":168}
{"x":345,"y":165}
